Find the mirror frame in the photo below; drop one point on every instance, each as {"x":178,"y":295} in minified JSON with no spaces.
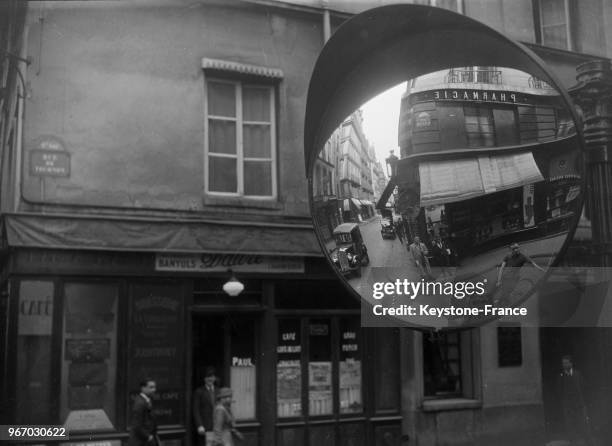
{"x":382,"y":47}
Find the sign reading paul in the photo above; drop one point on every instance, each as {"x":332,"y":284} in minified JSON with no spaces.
{"x":482,"y":124}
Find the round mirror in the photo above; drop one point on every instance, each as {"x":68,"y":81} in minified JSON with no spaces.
{"x":444,"y":167}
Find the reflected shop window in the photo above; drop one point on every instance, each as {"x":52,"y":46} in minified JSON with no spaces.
{"x":89,"y":356}
{"x":331,"y":354}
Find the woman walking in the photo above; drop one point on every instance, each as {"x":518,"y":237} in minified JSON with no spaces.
{"x":223,"y":420}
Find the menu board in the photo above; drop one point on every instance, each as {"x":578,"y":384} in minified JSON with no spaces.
{"x":156,"y":347}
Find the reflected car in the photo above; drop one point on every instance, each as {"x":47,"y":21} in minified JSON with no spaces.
{"x":350,"y":253}
{"x":387,"y":230}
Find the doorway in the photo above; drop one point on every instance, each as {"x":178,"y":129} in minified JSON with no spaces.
{"x":229,"y":343}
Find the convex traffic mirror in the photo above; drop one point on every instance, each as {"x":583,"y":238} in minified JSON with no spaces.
{"x":482,"y":188}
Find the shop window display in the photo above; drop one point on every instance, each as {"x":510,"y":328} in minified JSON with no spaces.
{"x":34,"y":352}
{"x":331,"y":357}
{"x":89,"y":356}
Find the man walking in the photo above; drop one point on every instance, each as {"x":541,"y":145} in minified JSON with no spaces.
{"x":143,"y":431}
{"x":575,"y":417}
{"x":419,"y":252}
{"x":204,"y":400}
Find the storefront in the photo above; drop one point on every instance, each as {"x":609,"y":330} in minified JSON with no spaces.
{"x":86,"y":326}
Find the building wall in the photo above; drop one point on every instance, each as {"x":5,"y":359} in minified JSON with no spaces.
{"x":122,"y":86}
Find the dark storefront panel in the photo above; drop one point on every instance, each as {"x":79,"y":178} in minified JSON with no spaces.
{"x":387,"y":378}
{"x":156,"y":347}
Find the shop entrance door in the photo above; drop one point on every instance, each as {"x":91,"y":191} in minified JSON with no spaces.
{"x":229,"y":344}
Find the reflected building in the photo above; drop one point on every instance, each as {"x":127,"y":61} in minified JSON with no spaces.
{"x":355,"y":173}
{"x":488,"y":157}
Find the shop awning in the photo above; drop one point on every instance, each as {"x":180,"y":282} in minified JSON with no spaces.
{"x":150,"y":235}
{"x":462,"y":179}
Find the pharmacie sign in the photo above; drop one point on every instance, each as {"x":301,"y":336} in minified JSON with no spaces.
{"x":461,"y":94}
{"x":215,"y":262}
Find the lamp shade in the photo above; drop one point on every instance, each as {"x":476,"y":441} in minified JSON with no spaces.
{"x":233,"y":286}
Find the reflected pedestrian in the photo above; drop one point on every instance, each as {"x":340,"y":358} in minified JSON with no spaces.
{"x":511,"y":265}
{"x":441,"y":254}
{"x":223,"y":420}
{"x":143,"y":430}
{"x":419,"y":253}
{"x":204,"y":400}
{"x":399,"y":230}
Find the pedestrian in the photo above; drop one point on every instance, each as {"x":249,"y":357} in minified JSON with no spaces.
{"x":441,"y":254}
{"x":511,"y":265}
{"x":143,"y":430}
{"x":223,"y":420}
{"x":204,"y":400}
{"x":419,"y":253}
{"x":399,"y":230}
{"x":575,"y":415}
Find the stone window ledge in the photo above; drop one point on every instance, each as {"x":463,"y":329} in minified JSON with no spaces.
{"x":438,"y":405}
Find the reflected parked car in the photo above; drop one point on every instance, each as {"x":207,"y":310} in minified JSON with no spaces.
{"x":350,"y":253}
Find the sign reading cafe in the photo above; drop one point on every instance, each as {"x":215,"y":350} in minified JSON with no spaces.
{"x":221,"y":262}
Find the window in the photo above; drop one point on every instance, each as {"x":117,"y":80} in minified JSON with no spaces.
{"x":89,"y":356}
{"x":554,"y":23}
{"x":509,"y":347}
{"x":240,"y":141}
{"x":34,"y":383}
{"x":479,"y":126}
{"x":447,"y":364}
{"x":322,"y":375}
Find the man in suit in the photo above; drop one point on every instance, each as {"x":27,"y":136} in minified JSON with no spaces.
{"x":419,"y":253}
{"x":204,"y":400}
{"x":575,"y":417}
{"x":143,"y":431}
{"x":441,"y":254}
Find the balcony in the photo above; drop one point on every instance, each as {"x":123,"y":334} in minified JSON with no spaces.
{"x":481,"y":76}
{"x":537,"y":83}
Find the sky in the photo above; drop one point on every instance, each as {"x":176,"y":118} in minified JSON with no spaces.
{"x":381,"y":119}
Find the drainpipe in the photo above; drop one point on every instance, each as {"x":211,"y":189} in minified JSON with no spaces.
{"x":326,"y":22}
{"x":22,"y":67}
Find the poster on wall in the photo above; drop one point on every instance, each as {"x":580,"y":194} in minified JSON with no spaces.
{"x":320,"y":387}
{"x":288,"y":388}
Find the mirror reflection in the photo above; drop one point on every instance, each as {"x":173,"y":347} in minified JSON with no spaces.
{"x":464,"y":175}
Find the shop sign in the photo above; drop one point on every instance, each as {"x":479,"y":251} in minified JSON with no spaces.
{"x":49,"y":163}
{"x":35,"y":308}
{"x":210,"y":262}
{"x":463,"y":94}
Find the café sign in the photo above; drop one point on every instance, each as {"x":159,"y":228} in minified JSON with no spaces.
{"x":215,"y":262}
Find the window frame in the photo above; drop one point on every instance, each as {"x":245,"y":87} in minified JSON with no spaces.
{"x":470,"y":379}
{"x":240,"y":123}
{"x":335,"y":340}
{"x":538,"y":12}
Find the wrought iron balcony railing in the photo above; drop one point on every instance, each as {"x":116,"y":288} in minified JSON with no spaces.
{"x":483,"y":76}
{"x":535,"y":82}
